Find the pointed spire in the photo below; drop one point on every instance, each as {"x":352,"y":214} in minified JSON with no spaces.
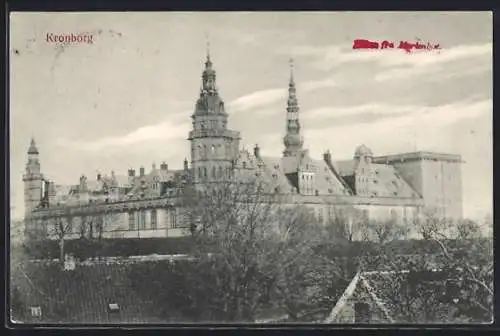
{"x":33,"y":149}
{"x":208,"y":62}
{"x":293,"y":141}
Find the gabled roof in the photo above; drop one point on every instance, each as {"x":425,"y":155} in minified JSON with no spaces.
{"x":273,"y":174}
{"x":390,"y":183}
{"x":385,"y":290}
{"x":344,"y":167}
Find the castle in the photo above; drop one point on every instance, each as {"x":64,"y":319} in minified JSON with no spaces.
{"x":144,"y":204}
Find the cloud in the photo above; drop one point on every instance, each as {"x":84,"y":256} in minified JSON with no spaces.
{"x":164,"y":131}
{"x":269,"y":96}
{"x":339,"y":111}
{"x":423,"y":127}
{"x":257,"y":99}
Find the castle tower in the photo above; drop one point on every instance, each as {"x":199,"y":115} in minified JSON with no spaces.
{"x":293,"y":141}
{"x":33,"y":180}
{"x":213,"y":147}
{"x":363,"y":158}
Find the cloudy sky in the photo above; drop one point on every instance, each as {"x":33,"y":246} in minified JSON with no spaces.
{"x":126,"y":99}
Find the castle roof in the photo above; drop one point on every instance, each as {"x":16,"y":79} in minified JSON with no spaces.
{"x":33,"y":149}
{"x":388,"y":181}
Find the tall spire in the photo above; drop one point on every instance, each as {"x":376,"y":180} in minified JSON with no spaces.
{"x":208,"y":77}
{"x":33,"y":149}
{"x":208,"y":62}
{"x":292,"y":140}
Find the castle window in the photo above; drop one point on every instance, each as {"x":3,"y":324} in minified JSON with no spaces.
{"x":277,"y":190}
{"x":214,"y":172}
{"x":131,"y":221}
{"x":317,"y":192}
{"x":220,"y":172}
{"x":213,"y":149}
{"x":275,"y":176}
{"x":276,"y":166}
{"x":142,"y":220}
{"x":173,"y":219}
{"x":376,"y":172}
{"x":395,"y":193}
{"x":205,"y":172}
{"x":199,"y":172}
{"x":154,"y":219}
{"x":244,"y":164}
{"x":330,"y":191}
{"x":361,"y":312}
{"x":375,"y":181}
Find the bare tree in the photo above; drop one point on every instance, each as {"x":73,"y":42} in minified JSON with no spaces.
{"x":62,"y":227}
{"x":458,"y":279}
{"x":250,"y":246}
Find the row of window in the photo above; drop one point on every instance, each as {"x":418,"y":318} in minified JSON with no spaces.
{"x":137,"y":220}
{"x":215,"y":173}
{"x":203,"y":150}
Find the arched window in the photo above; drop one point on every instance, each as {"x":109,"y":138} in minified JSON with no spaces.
{"x":214,"y":172}
{"x":199,"y":172}
{"x":204,"y":151}
{"x":220,"y":172}
{"x":212,"y":149}
{"x":205,"y":172}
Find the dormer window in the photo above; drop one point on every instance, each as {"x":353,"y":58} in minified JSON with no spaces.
{"x":375,"y":181}
{"x":276,"y":166}
{"x":330,"y":191}
{"x":36,"y":311}
{"x":275,"y":176}
{"x":113,"y":307}
{"x":244,"y":164}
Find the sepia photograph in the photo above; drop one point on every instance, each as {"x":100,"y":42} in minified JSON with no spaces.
{"x":323,"y":168}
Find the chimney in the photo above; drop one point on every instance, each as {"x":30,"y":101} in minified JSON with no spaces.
{"x":256,"y":151}
{"x":98,"y":176}
{"x":141,"y":171}
{"x":83,"y":183}
{"x":327,"y":156}
{"x":186,"y":167}
{"x":163,"y":166}
{"x":131,"y":172}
